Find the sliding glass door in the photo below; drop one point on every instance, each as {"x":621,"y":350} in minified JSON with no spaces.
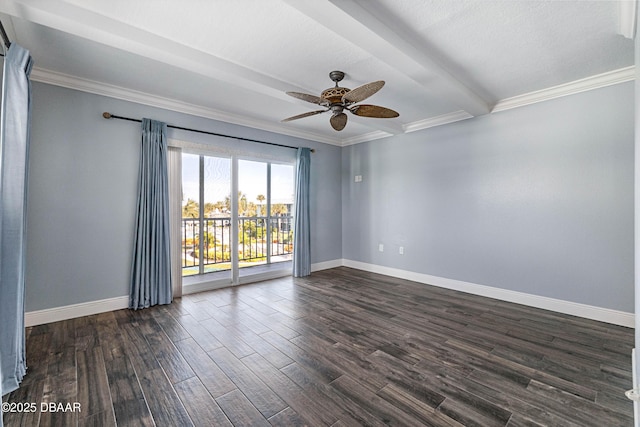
{"x":252,"y":231}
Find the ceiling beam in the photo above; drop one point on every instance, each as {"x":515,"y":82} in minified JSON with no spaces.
{"x":86,"y":24}
{"x":89,"y":25}
{"x":390,"y":43}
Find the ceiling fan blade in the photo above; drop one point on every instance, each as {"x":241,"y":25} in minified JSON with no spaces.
{"x":338,"y":121}
{"x":362,"y":92}
{"x":303,"y":115}
{"x":309,"y":98}
{"x":365,"y":110}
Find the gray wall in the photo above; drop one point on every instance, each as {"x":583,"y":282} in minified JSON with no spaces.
{"x":537,"y":199}
{"x":82,"y":192}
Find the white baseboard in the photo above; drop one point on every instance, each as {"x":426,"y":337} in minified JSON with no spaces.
{"x":606,"y":315}
{"x":66,"y":312}
{"x":327,"y":265}
{"x":56,"y":314}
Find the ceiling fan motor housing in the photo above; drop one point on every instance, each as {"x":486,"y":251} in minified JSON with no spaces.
{"x":334,"y":94}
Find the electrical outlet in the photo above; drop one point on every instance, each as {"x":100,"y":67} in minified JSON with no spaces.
{"x":357,"y":178}
{"x":381,"y":247}
{"x":401,"y":250}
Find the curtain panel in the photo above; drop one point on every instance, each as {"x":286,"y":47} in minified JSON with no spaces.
{"x":151,"y":266}
{"x":302,"y":221}
{"x":14,"y":146}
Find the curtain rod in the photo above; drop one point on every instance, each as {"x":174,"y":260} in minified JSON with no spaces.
{"x":107,"y":115}
{"x":5,"y":37}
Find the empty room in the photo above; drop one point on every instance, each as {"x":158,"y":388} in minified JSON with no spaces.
{"x":318,"y":213}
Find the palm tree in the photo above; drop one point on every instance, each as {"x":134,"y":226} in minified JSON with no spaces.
{"x":279,"y":209}
{"x":191,"y":209}
{"x":209,"y":209}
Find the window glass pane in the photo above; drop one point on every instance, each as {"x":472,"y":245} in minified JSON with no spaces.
{"x":282,"y":199}
{"x":252,"y":202}
{"x":282,"y":189}
{"x":217,"y":214}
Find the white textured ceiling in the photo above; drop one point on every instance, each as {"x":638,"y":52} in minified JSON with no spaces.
{"x":442,"y":60}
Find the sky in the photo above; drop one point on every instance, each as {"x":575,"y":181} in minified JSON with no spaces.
{"x":252,"y":179}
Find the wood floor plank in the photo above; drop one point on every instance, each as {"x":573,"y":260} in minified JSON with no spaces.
{"x":312,"y":411}
{"x":509,"y":369}
{"x":319,"y":391}
{"x":266,"y":350}
{"x":458,"y":392}
{"x":93,"y":383}
{"x":169,"y":325}
{"x":199,"y":333}
{"x":165,"y":406}
{"x":327,"y":372}
{"x":30,"y":392}
{"x":170,"y":359}
{"x":467,"y":415}
{"x":287,"y":417}
{"x":260,"y":395}
{"x":341,"y":347}
{"x":210,"y":374}
{"x":419,"y":409}
{"x":583,"y":409}
{"x":240,"y":410}
{"x":371,"y":407}
{"x":60,"y":385}
{"x":129,"y":404}
{"x":38,"y":352}
{"x":159,"y":394}
{"x":228,"y":337}
{"x":340,"y":358}
{"x":520,"y":400}
{"x":99,"y":419}
{"x":202,"y":408}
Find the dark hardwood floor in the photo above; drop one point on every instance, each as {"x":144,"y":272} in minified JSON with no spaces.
{"x":341,"y":347}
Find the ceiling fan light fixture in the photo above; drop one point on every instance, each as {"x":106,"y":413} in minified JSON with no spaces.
{"x":338,"y":121}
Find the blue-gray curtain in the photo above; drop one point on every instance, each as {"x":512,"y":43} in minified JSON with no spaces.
{"x":151,"y":268}
{"x":302,"y":223}
{"x":14,"y":146}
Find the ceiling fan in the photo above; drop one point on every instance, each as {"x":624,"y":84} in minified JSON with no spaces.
{"x":338,"y":99}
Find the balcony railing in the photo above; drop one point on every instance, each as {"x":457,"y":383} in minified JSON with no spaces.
{"x":257,"y":243}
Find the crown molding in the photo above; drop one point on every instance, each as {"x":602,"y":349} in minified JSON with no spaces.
{"x":90,"y":86}
{"x":97,"y":88}
{"x":365,"y":137}
{"x":443,"y":119}
{"x":589,"y":83}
